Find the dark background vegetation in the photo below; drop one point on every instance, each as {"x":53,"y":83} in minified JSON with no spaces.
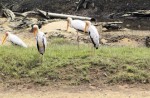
{"x":101,"y":11}
{"x":102,"y":7}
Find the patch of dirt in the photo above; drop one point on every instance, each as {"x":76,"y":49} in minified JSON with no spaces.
{"x":58,"y":25}
{"x":125,"y":37}
{"x":126,"y":41}
{"x":121,"y":91}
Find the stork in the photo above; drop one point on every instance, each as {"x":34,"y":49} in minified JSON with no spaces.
{"x":14,"y":39}
{"x":40,"y":39}
{"x":93,"y":33}
{"x":79,"y":25}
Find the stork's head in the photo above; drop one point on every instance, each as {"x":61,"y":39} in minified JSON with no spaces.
{"x":35,"y":29}
{"x":87,"y":25}
{"x":69,"y":19}
{"x":5,"y":36}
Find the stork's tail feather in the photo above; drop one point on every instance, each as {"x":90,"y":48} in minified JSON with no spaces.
{"x":96,"y":46}
{"x":41,"y":53}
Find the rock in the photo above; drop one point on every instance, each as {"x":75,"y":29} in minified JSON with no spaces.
{"x":103,"y":41}
{"x":111,"y":26}
{"x":147,"y":41}
{"x":57,"y":35}
{"x":1,"y":28}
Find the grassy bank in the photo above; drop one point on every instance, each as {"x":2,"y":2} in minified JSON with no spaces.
{"x":68,"y":65}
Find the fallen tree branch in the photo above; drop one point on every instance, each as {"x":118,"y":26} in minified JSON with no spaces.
{"x":80,"y":3}
{"x":112,"y":26}
{"x":104,"y":23}
{"x":63,"y":16}
{"x":9,"y":14}
{"x":139,"y":13}
{"x":25,"y":14}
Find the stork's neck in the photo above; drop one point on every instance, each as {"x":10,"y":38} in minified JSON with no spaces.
{"x":70,"y":21}
{"x":9,"y":34}
{"x":38,"y":30}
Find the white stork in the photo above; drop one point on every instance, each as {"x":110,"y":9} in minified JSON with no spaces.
{"x":93,"y":33}
{"x":40,"y":39}
{"x":79,"y":25}
{"x":14,"y":39}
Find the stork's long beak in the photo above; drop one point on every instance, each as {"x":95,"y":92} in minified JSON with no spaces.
{"x":85,"y":29}
{"x":67,"y":25}
{"x":4,"y":39}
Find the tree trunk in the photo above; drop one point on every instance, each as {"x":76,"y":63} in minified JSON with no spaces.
{"x":9,"y":14}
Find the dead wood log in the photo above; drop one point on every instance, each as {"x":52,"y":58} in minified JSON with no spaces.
{"x":79,"y":4}
{"x":46,"y":21}
{"x":9,"y":14}
{"x":139,"y":13}
{"x":25,"y":14}
{"x":63,"y":16}
{"x":83,"y":3}
{"x":112,"y":26}
{"x":104,"y":23}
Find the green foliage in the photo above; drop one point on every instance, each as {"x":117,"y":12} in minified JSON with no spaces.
{"x":66,"y":64}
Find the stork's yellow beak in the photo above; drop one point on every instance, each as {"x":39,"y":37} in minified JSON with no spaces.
{"x":4,"y":39}
{"x":85,"y":29}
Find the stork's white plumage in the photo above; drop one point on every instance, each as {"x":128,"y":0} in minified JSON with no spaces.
{"x":93,"y":33}
{"x":14,"y":39}
{"x":76,"y":24}
{"x":40,"y":39}
{"x":79,"y":25}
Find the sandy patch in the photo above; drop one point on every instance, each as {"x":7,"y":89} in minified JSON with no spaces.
{"x":59,"y":25}
{"x":61,"y":93}
{"x":128,"y":42}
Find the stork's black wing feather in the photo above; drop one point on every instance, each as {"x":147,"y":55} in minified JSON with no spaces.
{"x":92,"y":40}
{"x":38,"y":47}
{"x":43,"y":43}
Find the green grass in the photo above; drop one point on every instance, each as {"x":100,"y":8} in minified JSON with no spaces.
{"x":67,"y":65}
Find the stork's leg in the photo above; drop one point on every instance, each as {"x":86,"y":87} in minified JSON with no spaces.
{"x":42,"y":58}
{"x":91,"y":49}
{"x":89,"y":41}
{"x":94,"y":51}
{"x":91,"y":46}
{"x":78,"y":38}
